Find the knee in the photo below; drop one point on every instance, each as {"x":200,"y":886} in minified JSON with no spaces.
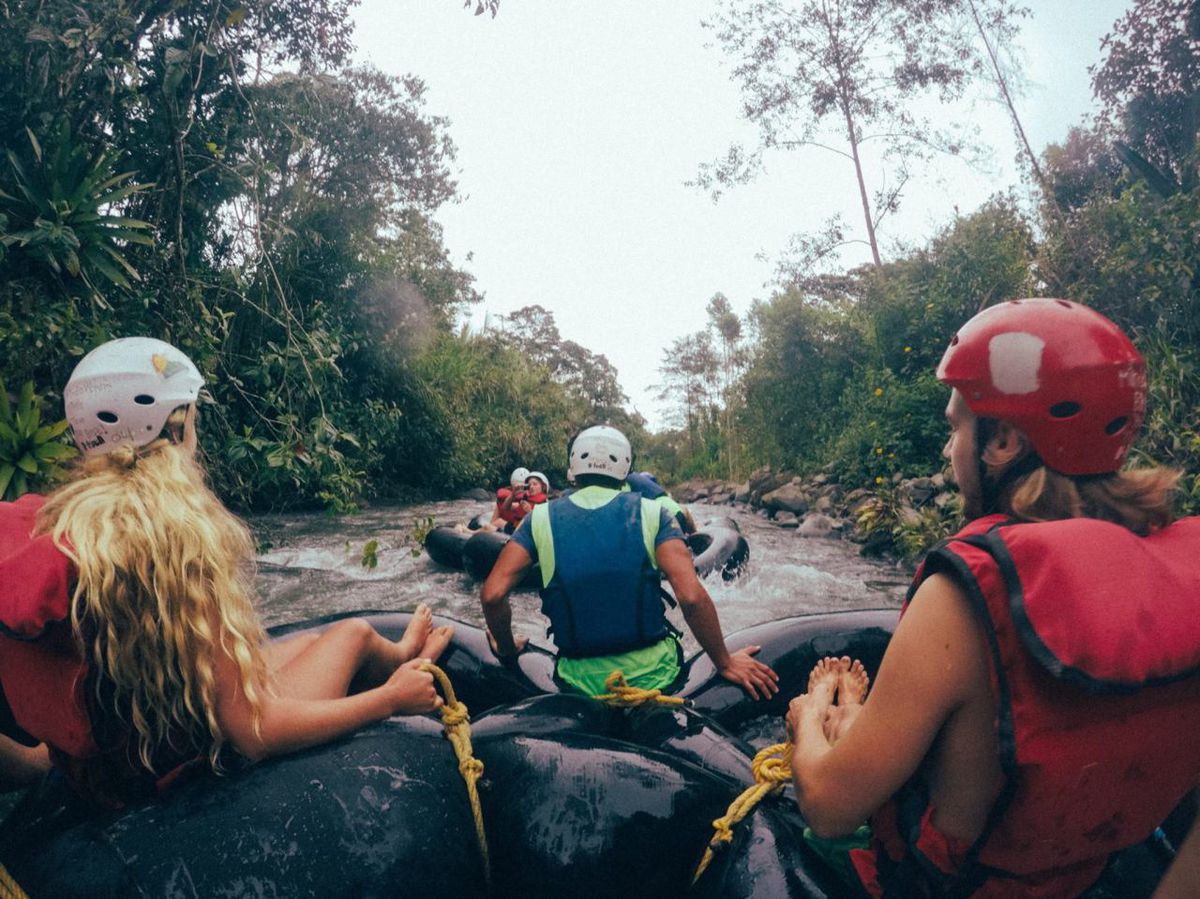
{"x":355,"y":633}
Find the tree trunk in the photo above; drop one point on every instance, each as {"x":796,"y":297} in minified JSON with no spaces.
{"x":862,"y":184}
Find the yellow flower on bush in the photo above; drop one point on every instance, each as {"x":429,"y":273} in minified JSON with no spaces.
{"x":908,"y":349}
{"x":879,"y":450}
{"x":878,"y":479}
{"x":879,"y":391}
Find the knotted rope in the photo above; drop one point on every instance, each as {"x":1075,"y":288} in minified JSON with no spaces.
{"x":456,"y":723}
{"x":9,"y":888}
{"x":772,"y":772}
{"x":621,"y":695}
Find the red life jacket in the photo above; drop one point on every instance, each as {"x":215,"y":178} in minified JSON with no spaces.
{"x":514,"y":513}
{"x":38,"y":656}
{"x":1095,"y":637}
{"x":45,"y":679}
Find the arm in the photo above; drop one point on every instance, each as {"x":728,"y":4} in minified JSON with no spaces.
{"x":935,"y":659}
{"x":1182,"y":879}
{"x":289,"y":724}
{"x":507,"y":573}
{"x":20,"y":765}
{"x":700,"y":614}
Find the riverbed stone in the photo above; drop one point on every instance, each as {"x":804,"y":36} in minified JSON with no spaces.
{"x":477,"y":493}
{"x":785,"y":519}
{"x":741,"y":493}
{"x":790,"y":497}
{"x":816,"y":524}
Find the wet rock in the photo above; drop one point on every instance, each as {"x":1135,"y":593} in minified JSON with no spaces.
{"x":477,"y":493}
{"x":816,"y":524}
{"x":823,"y":504}
{"x":786,"y":519}
{"x":938,"y":481}
{"x":921,"y":490}
{"x":790,"y":497}
{"x":741,"y":493}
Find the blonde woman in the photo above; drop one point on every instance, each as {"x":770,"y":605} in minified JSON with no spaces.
{"x":128,"y":639}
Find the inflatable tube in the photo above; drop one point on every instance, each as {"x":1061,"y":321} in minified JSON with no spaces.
{"x":480,"y":553}
{"x":575,"y":796}
{"x":445,"y":545}
{"x":719,"y":546}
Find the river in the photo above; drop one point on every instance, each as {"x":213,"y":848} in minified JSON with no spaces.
{"x":312,"y":564}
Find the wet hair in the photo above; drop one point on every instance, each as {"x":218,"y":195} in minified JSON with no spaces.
{"x":164,"y":584}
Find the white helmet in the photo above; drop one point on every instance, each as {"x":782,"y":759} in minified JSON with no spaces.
{"x":517,"y":478}
{"x":124,"y":390}
{"x":600,"y":450}
{"x":541,"y":477}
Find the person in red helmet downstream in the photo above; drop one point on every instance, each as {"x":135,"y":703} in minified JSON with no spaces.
{"x":1038,"y":708}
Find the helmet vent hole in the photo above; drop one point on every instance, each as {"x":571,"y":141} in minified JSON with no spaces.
{"x":109,"y":418}
{"x":954,"y":340}
{"x":584,"y":455}
{"x":1063,"y":303}
{"x":144,"y":399}
{"x":1116,"y":425}
{"x":612,"y":457}
{"x":1065,"y":409}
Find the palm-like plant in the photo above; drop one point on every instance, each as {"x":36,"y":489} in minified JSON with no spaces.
{"x":59,"y":213}
{"x":30,"y":452}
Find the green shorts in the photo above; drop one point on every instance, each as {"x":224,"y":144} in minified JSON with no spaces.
{"x":835,"y":851}
{"x":653,"y":667}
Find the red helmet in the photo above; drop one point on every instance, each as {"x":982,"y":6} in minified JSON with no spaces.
{"x":1061,"y":372}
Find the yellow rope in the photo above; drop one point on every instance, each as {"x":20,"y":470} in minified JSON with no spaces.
{"x":9,"y":888}
{"x":456,"y":723}
{"x":622,"y":696}
{"x":772,"y":771}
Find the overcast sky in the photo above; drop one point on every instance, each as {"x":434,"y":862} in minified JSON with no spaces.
{"x":577,"y":126}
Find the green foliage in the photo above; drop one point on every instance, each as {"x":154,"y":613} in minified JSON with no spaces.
{"x":909,"y":532}
{"x":420,"y":530}
{"x":295,"y":253}
{"x":370,"y":554}
{"x":31,"y":453}
{"x":1172,"y":435}
{"x":54,"y":215}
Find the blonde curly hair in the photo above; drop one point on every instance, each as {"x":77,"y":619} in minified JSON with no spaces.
{"x":164,"y":584}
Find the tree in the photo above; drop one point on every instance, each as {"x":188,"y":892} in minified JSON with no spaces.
{"x":1149,"y":83}
{"x":589,"y":378}
{"x":839,"y":74}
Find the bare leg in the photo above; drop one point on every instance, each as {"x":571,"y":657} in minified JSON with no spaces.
{"x":279,"y":652}
{"x":351,"y":651}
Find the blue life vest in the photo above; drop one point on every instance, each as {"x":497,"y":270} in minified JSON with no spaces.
{"x":646,"y":484}
{"x":600,"y":581}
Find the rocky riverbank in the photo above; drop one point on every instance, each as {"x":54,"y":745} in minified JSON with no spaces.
{"x":901,"y":517}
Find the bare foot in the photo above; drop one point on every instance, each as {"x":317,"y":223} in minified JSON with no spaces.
{"x":852,"y":686}
{"x":825,"y":675}
{"x":436,"y":642}
{"x":416,"y":633}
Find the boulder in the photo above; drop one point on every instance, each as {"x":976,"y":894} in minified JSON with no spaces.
{"x":816,"y":525}
{"x":741,"y":493}
{"x":786,"y":519}
{"x":478,"y":493}
{"x":823,"y":504}
{"x":790,"y":497}
{"x":921,"y":490}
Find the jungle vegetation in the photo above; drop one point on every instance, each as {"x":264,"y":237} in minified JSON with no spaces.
{"x":221,"y":175}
